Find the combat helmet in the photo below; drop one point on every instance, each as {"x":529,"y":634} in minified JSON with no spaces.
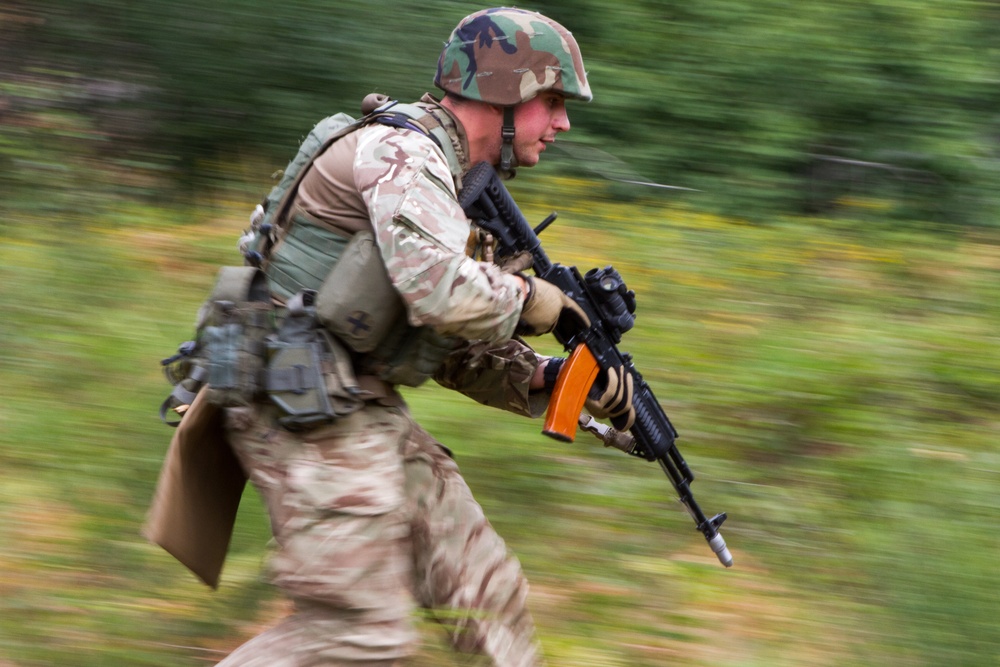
{"x":507,"y":56}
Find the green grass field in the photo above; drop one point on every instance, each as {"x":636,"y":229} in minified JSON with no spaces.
{"x":835,"y":384}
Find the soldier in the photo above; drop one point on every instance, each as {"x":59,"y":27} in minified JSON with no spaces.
{"x":370,"y":513}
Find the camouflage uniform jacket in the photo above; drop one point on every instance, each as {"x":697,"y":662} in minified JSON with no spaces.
{"x":398,"y":182}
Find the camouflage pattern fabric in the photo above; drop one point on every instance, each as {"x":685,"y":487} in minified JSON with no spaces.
{"x":372,"y":516}
{"x":507,"y":56}
{"x":495,"y":374}
{"x":422,"y":233}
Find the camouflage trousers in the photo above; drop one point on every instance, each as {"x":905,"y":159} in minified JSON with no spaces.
{"x":372,"y":517}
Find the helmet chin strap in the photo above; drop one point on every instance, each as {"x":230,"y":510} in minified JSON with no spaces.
{"x":507,"y":148}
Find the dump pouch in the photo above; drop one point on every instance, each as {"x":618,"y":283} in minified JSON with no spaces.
{"x":357,"y":302}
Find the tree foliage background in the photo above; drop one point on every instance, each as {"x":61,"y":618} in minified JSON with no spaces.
{"x":768,"y":107}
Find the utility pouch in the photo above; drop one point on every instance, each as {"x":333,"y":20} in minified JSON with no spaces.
{"x":227,"y":357}
{"x":309,"y":375}
{"x":296,"y":385}
{"x":357,"y":302}
{"x":236,"y":322}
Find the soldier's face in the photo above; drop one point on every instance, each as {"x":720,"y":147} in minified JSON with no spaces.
{"x":536,"y":123}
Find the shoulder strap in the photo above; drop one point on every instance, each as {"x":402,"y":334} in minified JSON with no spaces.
{"x":289,"y":195}
{"x":394,"y":114}
{"x":412,"y":117}
{"x":404,"y":116}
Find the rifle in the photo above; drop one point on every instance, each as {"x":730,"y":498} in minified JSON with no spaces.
{"x":610,"y":306}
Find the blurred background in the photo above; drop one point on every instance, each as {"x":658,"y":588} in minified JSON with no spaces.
{"x":818,"y":313}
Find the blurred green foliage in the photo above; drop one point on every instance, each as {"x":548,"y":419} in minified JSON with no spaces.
{"x":835,"y":387}
{"x":766,"y":107}
{"x":833,"y":373}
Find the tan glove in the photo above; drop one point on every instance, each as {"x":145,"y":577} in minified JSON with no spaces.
{"x":518,"y":263}
{"x":544,"y":306}
{"x":615,"y":402}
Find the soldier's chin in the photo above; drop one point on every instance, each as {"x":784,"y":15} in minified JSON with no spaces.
{"x":526,"y":162}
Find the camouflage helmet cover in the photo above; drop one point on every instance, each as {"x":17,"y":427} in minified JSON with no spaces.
{"x":507,"y":56}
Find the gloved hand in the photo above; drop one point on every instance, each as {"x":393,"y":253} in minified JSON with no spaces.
{"x":615,"y":402}
{"x":544,"y":306}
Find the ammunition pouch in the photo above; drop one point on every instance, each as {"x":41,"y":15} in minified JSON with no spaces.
{"x":227,"y":357}
{"x":234,"y":349}
{"x":309,"y":374}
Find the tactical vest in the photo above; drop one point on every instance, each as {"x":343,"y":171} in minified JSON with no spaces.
{"x":355,"y":299}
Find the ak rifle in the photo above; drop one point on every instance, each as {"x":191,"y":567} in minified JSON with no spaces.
{"x":610,"y":306}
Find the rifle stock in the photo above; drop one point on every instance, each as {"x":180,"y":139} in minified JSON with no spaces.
{"x":602,"y":295}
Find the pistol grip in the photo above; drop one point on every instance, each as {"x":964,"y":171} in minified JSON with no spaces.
{"x":572,"y":385}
